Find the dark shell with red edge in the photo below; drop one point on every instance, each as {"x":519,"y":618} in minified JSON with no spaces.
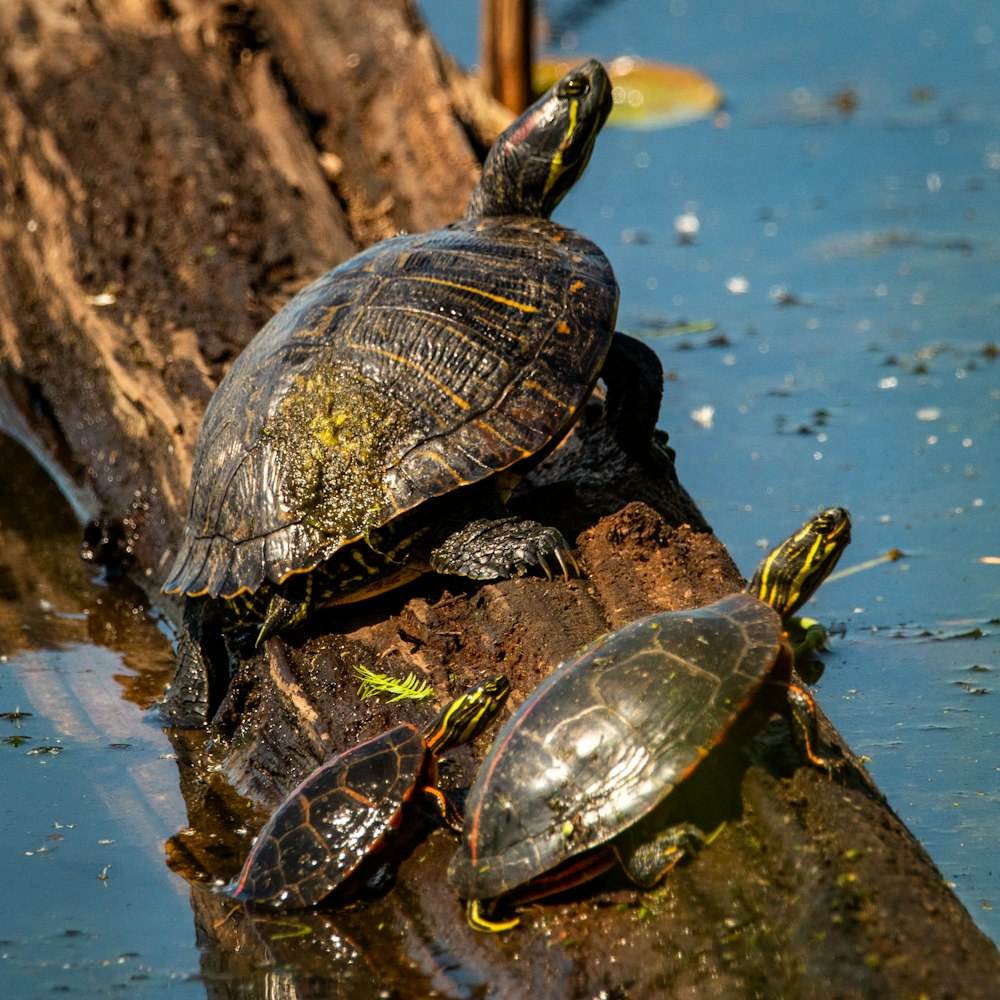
{"x":342,"y":814}
{"x":609,"y":734}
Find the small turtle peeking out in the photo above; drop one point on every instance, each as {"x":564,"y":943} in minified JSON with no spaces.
{"x":333,"y":831}
{"x":583,"y":774}
{"x":375,"y":427}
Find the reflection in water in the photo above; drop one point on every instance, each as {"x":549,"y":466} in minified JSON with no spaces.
{"x":48,"y":596}
{"x":301,"y":955}
{"x":82,"y":835}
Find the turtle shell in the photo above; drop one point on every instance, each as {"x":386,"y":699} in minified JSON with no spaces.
{"x":340,"y":815}
{"x":426,"y":363}
{"x":608,"y":735}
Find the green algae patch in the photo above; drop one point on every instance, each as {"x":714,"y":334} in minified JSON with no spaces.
{"x":335,"y":434}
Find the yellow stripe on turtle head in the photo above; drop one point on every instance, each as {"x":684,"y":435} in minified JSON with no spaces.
{"x":464,"y":718}
{"x":790,"y":575}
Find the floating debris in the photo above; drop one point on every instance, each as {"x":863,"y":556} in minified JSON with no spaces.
{"x":704,"y":416}
{"x":16,"y":716}
{"x":687,"y":227}
{"x":783,"y":297}
{"x":666,"y":329}
{"x":893,"y":555}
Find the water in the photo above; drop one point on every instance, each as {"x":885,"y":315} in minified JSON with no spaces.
{"x":90,"y":791}
{"x":848,"y":262}
{"x":877,"y":390}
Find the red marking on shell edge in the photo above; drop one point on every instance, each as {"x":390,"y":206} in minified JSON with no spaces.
{"x":575,"y":871}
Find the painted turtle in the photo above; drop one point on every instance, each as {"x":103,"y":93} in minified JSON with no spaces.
{"x":374,"y":427}
{"x":571,"y":783}
{"x":330,"y":830}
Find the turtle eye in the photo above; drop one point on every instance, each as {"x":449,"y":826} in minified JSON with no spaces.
{"x":572,"y":86}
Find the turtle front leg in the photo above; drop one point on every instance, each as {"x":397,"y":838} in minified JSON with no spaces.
{"x":647,"y":861}
{"x":634,"y":377}
{"x":501,"y":548}
{"x":808,"y":636}
{"x":443,"y":806}
{"x":800,"y":710}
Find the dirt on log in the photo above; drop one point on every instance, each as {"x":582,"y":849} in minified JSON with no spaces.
{"x":172,"y":171}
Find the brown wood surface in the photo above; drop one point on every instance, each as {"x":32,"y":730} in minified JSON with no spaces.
{"x":171,"y":171}
{"x":506,"y":51}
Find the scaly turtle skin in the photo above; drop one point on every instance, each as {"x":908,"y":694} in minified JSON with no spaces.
{"x":373,"y":428}
{"x":603,"y":741}
{"x":349,"y":810}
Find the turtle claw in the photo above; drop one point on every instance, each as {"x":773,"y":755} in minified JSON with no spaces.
{"x":567,"y":562}
{"x":568,"y":567}
{"x":504,"y":548}
{"x":281,"y":614}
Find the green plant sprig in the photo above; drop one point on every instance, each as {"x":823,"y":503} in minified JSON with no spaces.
{"x":374,"y":684}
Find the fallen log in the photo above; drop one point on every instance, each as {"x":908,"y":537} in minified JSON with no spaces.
{"x":172,"y":172}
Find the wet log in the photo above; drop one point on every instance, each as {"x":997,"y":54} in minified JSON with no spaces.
{"x":172,"y":171}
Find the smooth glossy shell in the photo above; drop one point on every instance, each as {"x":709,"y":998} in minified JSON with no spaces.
{"x":423,"y":364}
{"x":608,"y":735}
{"x":340,"y":815}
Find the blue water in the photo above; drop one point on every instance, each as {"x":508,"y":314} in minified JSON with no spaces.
{"x":877,"y":389}
{"x":90,"y":796}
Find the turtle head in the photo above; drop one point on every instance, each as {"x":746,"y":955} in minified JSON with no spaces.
{"x":790,"y":575}
{"x":539,"y":158}
{"x":468,"y":715}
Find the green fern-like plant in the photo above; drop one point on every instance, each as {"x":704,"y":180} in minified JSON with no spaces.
{"x":374,"y":684}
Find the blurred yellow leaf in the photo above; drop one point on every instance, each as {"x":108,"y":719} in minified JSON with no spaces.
{"x":647,"y":94}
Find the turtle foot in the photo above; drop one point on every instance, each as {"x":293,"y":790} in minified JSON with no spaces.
{"x":499,"y":549}
{"x":282,"y":613}
{"x":203,"y":668}
{"x":186,"y":699}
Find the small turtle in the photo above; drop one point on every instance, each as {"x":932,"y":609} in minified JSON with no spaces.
{"x":572,"y":779}
{"x":331,"y":832}
{"x":374,"y":428}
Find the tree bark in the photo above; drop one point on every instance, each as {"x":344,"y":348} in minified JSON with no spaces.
{"x":172,"y":171}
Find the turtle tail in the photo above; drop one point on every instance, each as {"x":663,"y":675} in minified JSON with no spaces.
{"x":282,"y":613}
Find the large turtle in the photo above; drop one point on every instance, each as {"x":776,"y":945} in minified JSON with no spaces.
{"x":373,"y":429}
{"x":582,"y":775}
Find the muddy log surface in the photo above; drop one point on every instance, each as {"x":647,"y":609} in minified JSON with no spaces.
{"x":172,"y":171}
